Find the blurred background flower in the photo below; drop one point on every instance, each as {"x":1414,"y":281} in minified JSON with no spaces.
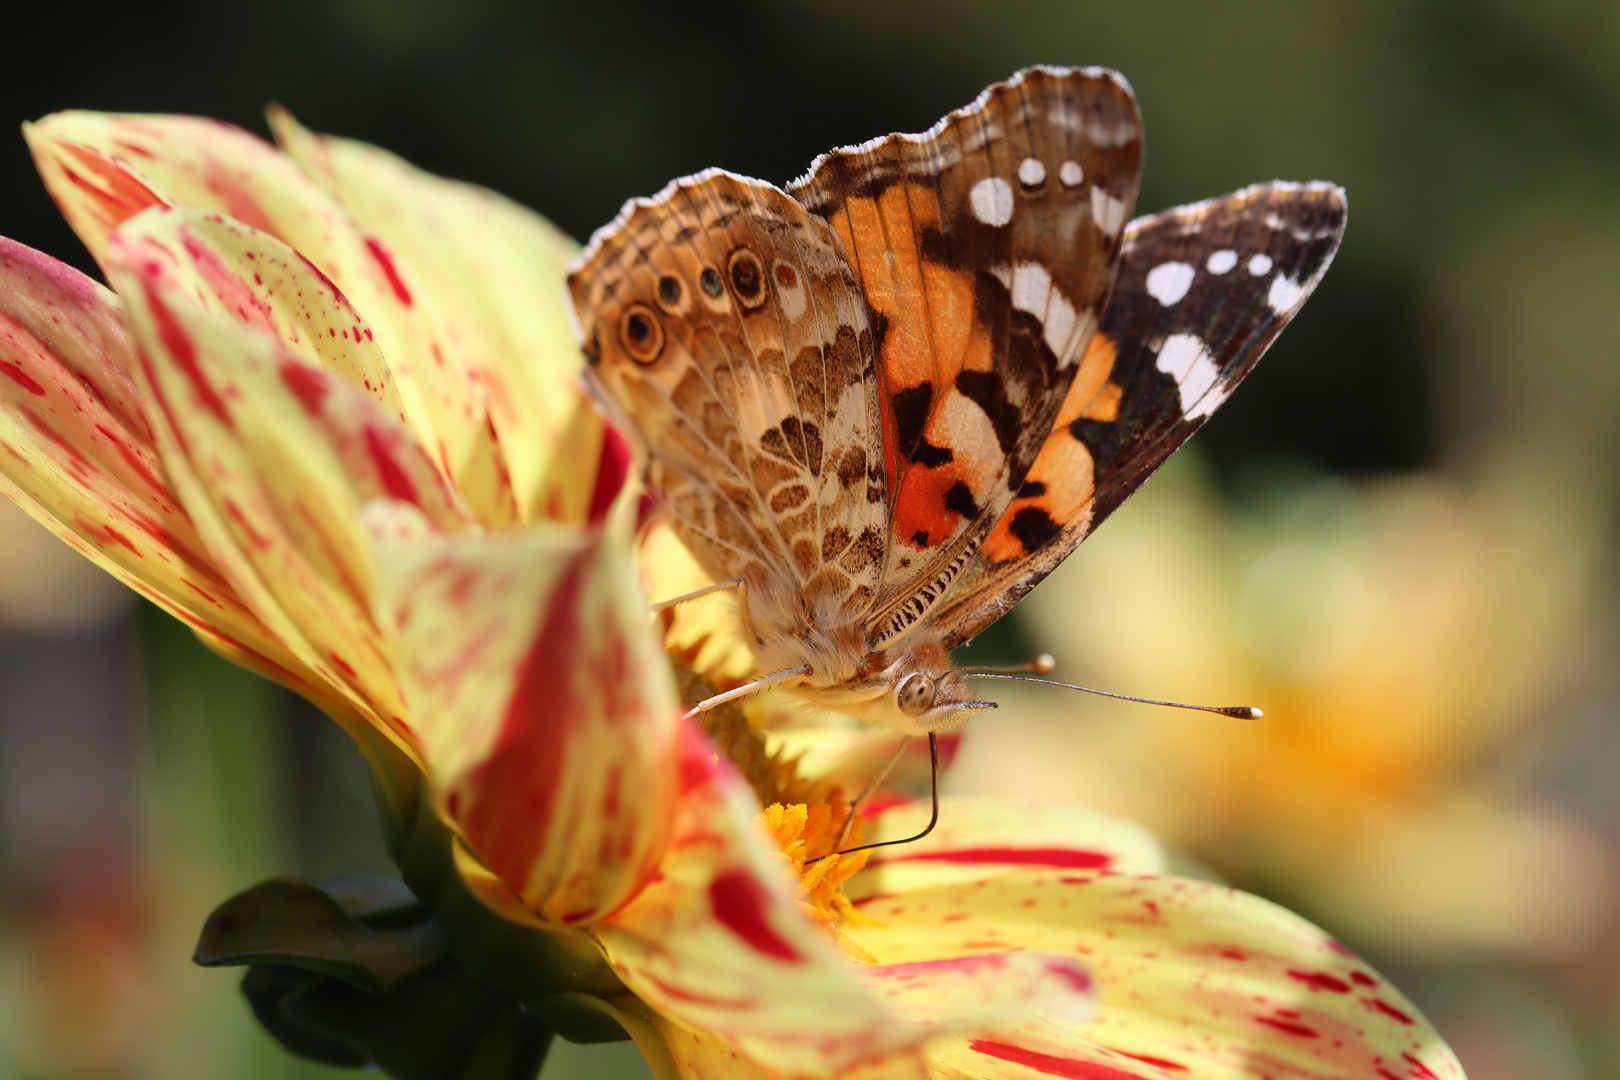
{"x":1397,"y":539}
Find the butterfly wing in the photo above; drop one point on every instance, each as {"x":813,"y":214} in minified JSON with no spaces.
{"x":985,"y":249}
{"x":723,"y":323}
{"x":1202,"y":292}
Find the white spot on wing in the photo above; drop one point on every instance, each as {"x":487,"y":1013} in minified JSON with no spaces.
{"x":1209,"y":403}
{"x":1222,"y":261}
{"x":992,"y":201}
{"x":1071,"y":174}
{"x":1186,"y":359}
{"x":1260,"y":265}
{"x":1107,"y":211}
{"x":1285,"y":294}
{"x":1063,"y":328}
{"x":1031,"y":172}
{"x":1168,"y":282}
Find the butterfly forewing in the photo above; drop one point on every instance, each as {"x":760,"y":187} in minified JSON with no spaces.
{"x":1201,"y":292}
{"x":723,"y":321}
{"x":985,"y":250}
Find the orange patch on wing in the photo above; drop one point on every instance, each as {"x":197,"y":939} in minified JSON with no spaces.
{"x":1105,"y":406}
{"x":1091,"y":388}
{"x":1065,"y":467}
{"x":920,"y":506}
{"x":880,"y":236}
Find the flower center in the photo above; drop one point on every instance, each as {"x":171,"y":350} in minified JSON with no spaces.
{"x":804,"y":816}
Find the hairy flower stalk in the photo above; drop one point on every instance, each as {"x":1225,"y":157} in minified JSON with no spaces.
{"x":328,"y":417}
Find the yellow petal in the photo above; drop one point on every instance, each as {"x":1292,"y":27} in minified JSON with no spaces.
{"x":699,"y":1055}
{"x":104,"y":168}
{"x":273,"y":460}
{"x":718,"y":943}
{"x":79,"y":454}
{"x":986,"y":838}
{"x":546,"y":711}
{"x":1208,"y":981}
{"x":494,"y":269}
{"x":237,"y":271}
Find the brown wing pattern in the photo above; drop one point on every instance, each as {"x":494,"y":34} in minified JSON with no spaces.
{"x":1202,"y":292}
{"x":724,"y":323}
{"x":985,"y":248}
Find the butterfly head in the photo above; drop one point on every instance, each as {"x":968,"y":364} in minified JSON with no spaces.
{"x":928,"y":701}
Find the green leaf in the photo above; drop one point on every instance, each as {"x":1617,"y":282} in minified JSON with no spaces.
{"x":297,"y":923}
{"x":436,"y":1025}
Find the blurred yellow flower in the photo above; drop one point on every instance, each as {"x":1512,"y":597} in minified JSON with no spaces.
{"x":1406,"y":638}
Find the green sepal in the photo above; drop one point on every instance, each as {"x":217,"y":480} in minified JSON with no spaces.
{"x":436,"y":1025}
{"x":295,"y":923}
{"x":580,"y":1018}
{"x":529,"y":961}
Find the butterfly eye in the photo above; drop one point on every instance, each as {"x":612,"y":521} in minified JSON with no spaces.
{"x":915,"y":694}
{"x":669,"y":293}
{"x":747,"y":278}
{"x":641,"y":333}
{"x":710,"y":280}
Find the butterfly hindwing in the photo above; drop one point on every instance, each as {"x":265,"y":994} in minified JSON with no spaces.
{"x":1201,"y":292}
{"x":724,"y":323}
{"x":985,"y":249}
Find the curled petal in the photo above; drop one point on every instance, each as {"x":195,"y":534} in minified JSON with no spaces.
{"x":1196,"y":979}
{"x":104,"y":168}
{"x":546,"y":711}
{"x":250,"y":276}
{"x":79,"y":457}
{"x":273,"y":461}
{"x":718,"y":943}
{"x":495,"y":270}
{"x":978,"y":839}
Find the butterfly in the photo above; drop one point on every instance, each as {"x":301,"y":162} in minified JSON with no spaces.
{"x":889,"y":399}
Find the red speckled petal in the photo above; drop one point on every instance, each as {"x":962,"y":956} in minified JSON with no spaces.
{"x":273,"y":460}
{"x":718,"y":943}
{"x":250,"y":276}
{"x":79,"y":456}
{"x":1040,"y":1050}
{"x":1201,"y":979}
{"x":546,"y":710}
{"x":700,"y":1055}
{"x":104,"y":168}
{"x":986,"y":838}
{"x":494,"y":268}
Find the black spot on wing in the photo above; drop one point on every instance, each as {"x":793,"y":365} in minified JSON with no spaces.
{"x":911,"y":407}
{"x":1033,"y":527}
{"x":959,"y":500}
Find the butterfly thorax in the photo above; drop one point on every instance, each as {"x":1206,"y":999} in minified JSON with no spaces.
{"x":909,"y":686}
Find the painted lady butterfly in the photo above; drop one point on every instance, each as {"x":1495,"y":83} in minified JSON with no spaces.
{"x":890,"y":399}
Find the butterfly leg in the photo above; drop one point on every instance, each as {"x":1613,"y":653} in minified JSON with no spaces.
{"x":764,"y":682}
{"x":933,"y":761}
{"x":720,"y":586}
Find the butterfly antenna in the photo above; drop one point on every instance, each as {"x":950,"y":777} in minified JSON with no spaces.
{"x":1241,"y":712}
{"x":933,"y":762}
{"x":1044,"y":664}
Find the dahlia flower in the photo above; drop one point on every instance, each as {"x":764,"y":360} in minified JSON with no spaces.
{"x":328,"y":417}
